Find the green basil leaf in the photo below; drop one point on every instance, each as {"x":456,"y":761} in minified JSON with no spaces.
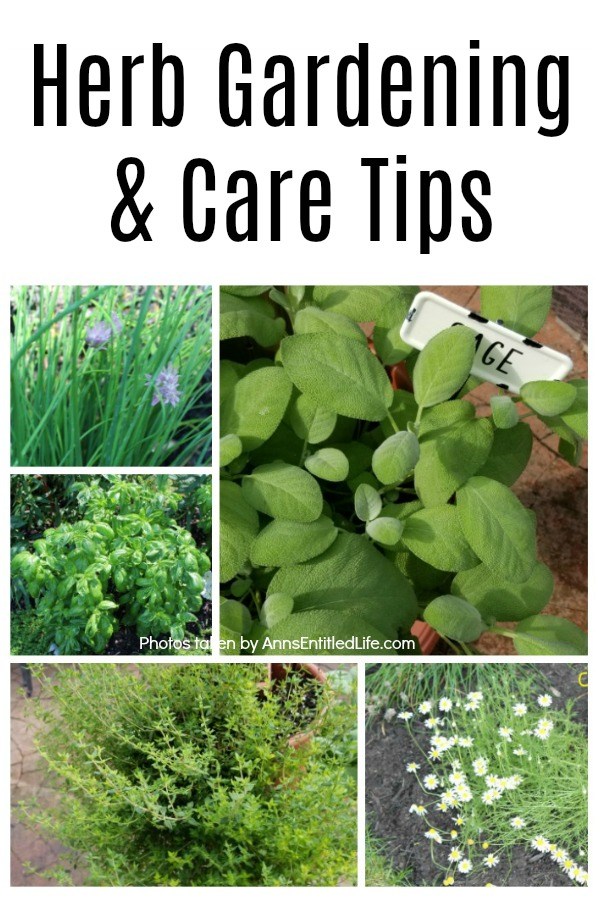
{"x":367,"y":502}
{"x":522,"y":308}
{"x":239,"y":527}
{"x":329,"y":464}
{"x":435,"y":535}
{"x":351,"y":576}
{"x":498,"y":528}
{"x":256,"y":406}
{"x":549,"y":636}
{"x":454,"y":618}
{"x":282,"y":542}
{"x":443,"y":365}
{"x":396,"y":457}
{"x":338,"y":374}
{"x":504,"y":600}
{"x":549,"y":398}
{"x":283,"y":491}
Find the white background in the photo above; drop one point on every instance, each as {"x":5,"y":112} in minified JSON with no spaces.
{"x":59,"y":185}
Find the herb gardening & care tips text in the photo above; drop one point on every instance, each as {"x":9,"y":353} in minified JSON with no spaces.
{"x":276,"y":90}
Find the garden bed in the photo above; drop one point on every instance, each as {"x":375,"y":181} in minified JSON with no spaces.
{"x":391,"y":791}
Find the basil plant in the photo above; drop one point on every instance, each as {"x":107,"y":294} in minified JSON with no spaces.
{"x":350,"y":509}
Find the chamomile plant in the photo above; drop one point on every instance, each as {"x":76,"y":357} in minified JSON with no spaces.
{"x":351,"y":506}
{"x":493,"y":764}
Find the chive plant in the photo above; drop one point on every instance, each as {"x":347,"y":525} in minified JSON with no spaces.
{"x":110,"y":376}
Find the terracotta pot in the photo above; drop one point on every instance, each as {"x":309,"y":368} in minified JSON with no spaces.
{"x":426,"y":636}
{"x":279,"y":672}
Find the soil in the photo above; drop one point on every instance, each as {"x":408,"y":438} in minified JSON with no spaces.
{"x":127,"y":643}
{"x":390,"y":792}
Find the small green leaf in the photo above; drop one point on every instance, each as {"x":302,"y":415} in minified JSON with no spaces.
{"x":256,"y":406}
{"x":498,"y":528}
{"x":449,"y":457}
{"x":230,"y":447}
{"x":235,"y":616}
{"x":576,"y":416}
{"x":329,"y":464}
{"x":454,"y":618}
{"x":435,"y":536}
{"x":443,"y":365}
{"x":320,"y":624}
{"x":505,"y":601}
{"x":524,"y":309}
{"x":312,"y":320}
{"x":282,"y":543}
{"x":385,"y":530}
{"x":252,"y":317}
{"x":239,"y":527}
{"x":504,"y":412}
{"x":571,"y":451}
{"x":339,"y":374}
{"x":396,"y":457}
{"x":283,"y":491}
{"x":275,"y":609}
{"x":549,"y":398}
{"x":364,"y":303}
{"x":353,"y":577}
{"x":367,"y":502}
{"x":509,"y":455}
{"x":311,"y":422}
{"x":549,"y":636}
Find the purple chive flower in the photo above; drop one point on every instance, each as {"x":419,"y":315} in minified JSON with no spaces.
{"x":99,"y":334}
{"x":166,"y":386}
{"x":102,"y":332}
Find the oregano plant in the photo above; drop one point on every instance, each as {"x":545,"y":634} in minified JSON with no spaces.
{"x":363,"y":508}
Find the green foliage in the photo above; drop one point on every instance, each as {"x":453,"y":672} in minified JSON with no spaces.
{"x":184,"y":776}
{"x":363,"y":504}
{"x":86,"y":365}
{"x":27,"y":635}
{"x":124,"y":562}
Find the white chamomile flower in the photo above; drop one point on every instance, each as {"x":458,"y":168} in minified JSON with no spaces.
{"x":465,"y":866}
{"x":456,"y":777}
{"x":424,"y":707}
{"x":463,"y":792}
{"x":471,"y":705}
{"x":455,"y":855}
{"x":445,"y":704}
{"x":431,"y":782}
{"x":544,"y":700}
{"x":505,"y":733}
{"x":513,"y":782}
{"x":417,"y":809}
{"x":480,"y":765}
{"x":432,"y":722}
{"x":518,"y":823}
{"x":433,"y":835}
{"x":540,"y":843}
{"x":434,"y":754}
{"x":520,"y":709}
{"x":492,"y":780}
{"x":465,"y":741}
{"x":558,"y":854}
{"x":412,"y":767}
{"x":475,"y":695}
{"x":490,"y":796}
{"x":520,"y":751}
{"x":567,"y":865}
{"x":490,"y":860}
{"x":582,"y":877}
{"x":405,"y":716}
